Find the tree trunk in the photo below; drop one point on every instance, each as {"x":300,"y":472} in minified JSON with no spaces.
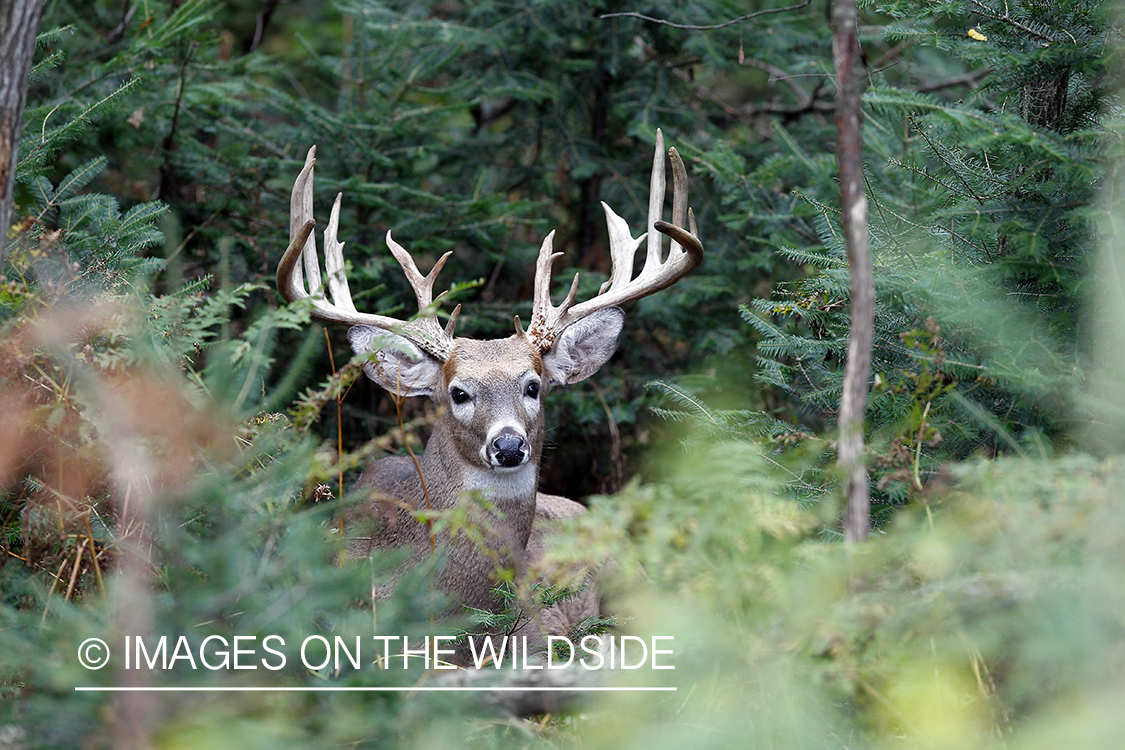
{"x":853,"y":204}
{"x":19,"y":25}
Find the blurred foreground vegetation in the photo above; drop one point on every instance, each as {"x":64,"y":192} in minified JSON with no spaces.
{"x":174,"y":445}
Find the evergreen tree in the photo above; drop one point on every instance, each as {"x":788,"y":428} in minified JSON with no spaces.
{"x":981,"y":219}
{"x":144,"y":359}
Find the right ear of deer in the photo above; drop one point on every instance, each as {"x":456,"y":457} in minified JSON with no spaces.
{"x":685,"y":254}
{"x":398,"y":365}
{"x":425,"y":332}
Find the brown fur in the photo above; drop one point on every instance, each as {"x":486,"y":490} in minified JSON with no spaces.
{"x":513,"y":521}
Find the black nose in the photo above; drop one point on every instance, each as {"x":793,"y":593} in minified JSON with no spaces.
{"x":509,"y":449}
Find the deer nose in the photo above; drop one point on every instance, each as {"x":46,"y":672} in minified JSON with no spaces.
{"x":509,"y":449}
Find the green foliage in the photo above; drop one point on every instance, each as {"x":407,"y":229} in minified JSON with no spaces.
{"x":477,"y":128}
{"x":981,"y":213}
{"x":978,"y":620}
{"x":144,"y":364}
{"x":516,"y":611}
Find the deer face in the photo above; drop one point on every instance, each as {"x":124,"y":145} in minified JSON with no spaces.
{"x":491,"y":391}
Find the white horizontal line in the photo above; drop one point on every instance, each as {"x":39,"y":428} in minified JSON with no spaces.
{"x":420,"y":689}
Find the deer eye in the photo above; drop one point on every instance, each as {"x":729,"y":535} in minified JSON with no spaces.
{"x":458,"y":396}
{"x":532,"y":390}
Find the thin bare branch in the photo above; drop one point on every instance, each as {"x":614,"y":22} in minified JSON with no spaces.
{"x":709,"y":27}
{"x":751,"y":114}
{"x":970,"y":79}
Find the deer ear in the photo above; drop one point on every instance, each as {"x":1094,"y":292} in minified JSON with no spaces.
{"x":584,"y":346}
{"x":398,"y":365}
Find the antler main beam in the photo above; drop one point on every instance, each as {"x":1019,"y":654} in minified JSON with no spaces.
{"x":425,"y":331}
{"x":684,"y":254}
{"x":301,"y":262}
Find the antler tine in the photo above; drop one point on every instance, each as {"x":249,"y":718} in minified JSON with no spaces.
{"x":291,"y":284}
{"x":656,"y":186}
{"x":451,"y":324}
{"x":622,"y":248}
{"x":684,"y":255}
{"x":679,"y":198}
{"x":680,"y":210}
{"x":424,"y":332}
{"x":423,"y":286}
{"x":547,"y":319}
{"x":334,"y":260}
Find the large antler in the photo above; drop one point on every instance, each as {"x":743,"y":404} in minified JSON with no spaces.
{"x":685,"y":253}
{"x":425,"y":332}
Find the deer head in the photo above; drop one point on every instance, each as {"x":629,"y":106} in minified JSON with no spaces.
{"x":491,"y":390}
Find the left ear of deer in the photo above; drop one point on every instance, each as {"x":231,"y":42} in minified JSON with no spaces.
{"x":488,"y":438}
{"x":584,"y":346}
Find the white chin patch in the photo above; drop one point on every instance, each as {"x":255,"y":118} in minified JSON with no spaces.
{"x":503,"y":482}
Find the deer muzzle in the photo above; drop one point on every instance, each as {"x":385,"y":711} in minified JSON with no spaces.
{"x":508,"y":449}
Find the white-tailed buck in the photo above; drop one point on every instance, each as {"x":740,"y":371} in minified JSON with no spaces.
{"x":484,"y":451}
